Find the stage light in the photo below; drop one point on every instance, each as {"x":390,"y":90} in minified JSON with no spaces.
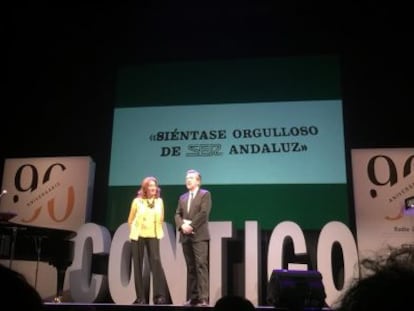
{"x":409,"y":203}
{"x":409,"y":206}
{"x":296,"y":290}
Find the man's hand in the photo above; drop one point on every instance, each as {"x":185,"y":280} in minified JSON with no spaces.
{"x":186,"y":228}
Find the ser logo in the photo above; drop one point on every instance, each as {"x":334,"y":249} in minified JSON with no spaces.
{"x":204,"y":150}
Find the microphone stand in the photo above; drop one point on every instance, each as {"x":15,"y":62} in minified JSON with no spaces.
{"x":13,"y":243}
{"x":38,"y":244}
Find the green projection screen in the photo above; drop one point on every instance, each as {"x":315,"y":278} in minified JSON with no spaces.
{"x":266,"y":135}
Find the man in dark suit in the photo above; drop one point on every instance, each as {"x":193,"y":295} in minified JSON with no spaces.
{"x":191,"y":219}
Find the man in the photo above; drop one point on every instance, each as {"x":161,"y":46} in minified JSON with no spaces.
{"x":191,"y":219}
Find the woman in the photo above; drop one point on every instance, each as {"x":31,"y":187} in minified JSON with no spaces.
{"x":145,"y":221}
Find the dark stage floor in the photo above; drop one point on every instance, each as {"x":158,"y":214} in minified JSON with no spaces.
{"x":111,"y":306}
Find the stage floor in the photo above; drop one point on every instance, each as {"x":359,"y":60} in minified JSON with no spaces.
{"x":64,"y":306}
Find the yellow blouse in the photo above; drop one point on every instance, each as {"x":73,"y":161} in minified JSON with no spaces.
{"x":146,"y":221}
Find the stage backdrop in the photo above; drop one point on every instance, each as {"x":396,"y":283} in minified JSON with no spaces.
{"x":383,"y":178}
{"x":266,"y":135}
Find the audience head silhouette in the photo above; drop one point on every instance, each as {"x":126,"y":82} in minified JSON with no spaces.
{"x":17,"y":293}
{"x":386,"y":283}
{"x":233,"y":302}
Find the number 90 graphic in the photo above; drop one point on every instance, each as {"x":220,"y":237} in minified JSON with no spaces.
{"x":392,"y":175}
{"x":28,"y":179}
